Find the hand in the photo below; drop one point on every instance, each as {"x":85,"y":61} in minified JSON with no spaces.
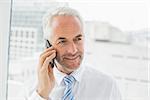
{"x":46,"y":80}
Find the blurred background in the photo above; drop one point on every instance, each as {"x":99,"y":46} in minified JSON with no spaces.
{"x":117,"y":38}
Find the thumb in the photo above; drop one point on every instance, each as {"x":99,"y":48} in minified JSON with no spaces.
{"x":50,"y":72}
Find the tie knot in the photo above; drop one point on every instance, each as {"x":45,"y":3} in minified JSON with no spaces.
{"x":68,"y":80}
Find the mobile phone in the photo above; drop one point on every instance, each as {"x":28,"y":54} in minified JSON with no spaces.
{"x":52,"y":63}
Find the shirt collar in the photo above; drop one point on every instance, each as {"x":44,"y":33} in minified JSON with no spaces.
{"x":77,"y":74}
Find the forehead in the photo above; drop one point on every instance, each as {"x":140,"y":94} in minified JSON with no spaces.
{"x":65,"y":20}
{"x":66,"y":26}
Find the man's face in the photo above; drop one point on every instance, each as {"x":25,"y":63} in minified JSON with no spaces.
{"x":67,"y":38}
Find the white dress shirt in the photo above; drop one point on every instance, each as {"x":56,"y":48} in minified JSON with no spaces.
{"x":90,"y":84}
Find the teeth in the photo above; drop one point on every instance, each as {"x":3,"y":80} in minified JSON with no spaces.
{"x":71,"y":58}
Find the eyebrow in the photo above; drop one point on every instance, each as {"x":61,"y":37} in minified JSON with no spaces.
{"x":63,"y":38}
{"x":80,"y":35}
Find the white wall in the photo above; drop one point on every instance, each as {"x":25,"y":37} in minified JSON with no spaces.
{"x":4,"y":32}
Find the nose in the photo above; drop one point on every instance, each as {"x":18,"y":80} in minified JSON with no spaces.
{"x":72,"y":49}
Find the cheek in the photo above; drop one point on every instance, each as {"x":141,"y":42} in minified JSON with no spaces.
{"x":60,"y":52}
{"x":63,"y":50}
{"x":81,"y":47}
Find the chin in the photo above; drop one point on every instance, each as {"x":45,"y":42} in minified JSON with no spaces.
{"x":72,"y":67}
{"x":70,"y":70}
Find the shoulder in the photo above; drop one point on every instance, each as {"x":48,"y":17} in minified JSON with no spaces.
{"x":97,"y":76}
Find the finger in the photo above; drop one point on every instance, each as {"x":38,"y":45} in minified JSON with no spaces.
{"x":47,"y":61}
{"x":47,"y":50}
{"x":47,"y":54}
{"x":50,"y":73}
{"x":43,"y":57}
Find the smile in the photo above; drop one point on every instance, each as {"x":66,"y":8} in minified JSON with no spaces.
{"x":72,"y":58}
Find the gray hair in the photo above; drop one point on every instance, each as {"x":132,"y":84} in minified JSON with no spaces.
{"x":61,"y":11}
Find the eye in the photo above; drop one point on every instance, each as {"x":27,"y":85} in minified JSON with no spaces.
{"x":78,"y":39}
{"x":62,"y":41}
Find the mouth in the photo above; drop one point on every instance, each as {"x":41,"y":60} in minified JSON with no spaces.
{"x":71,"y":58}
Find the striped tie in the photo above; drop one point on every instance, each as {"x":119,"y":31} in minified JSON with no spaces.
{"x":68,"y":80}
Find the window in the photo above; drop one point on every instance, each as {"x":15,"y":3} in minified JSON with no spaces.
{"x":107,"y":34}
{"x":27,"y":29}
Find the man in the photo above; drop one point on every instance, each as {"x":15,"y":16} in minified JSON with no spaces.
{"x":69,"y":79}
